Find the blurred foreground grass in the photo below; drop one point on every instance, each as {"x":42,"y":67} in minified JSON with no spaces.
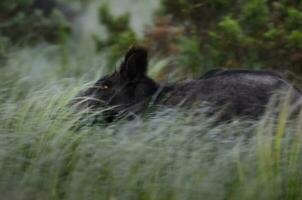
{"x":165,"y":155}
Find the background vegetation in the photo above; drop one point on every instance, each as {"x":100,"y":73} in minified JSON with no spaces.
{"x":242,"y":34}
{"x":46,"y":58}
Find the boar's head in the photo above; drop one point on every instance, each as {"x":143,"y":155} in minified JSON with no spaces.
{"x":122,"y":89}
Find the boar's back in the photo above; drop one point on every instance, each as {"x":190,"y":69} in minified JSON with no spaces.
{"x":233,"y":93}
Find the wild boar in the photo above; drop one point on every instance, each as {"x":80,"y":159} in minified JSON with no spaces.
{"x":230,"y":93}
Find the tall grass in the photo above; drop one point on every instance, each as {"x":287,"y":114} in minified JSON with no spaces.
{"x":168,"y":154}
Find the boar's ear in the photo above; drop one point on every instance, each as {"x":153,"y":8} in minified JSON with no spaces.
{"x":135,"y":63}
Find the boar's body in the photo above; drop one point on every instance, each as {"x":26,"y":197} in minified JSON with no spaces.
{"x":231,"y":93}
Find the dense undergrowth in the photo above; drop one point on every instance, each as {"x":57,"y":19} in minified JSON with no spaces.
{"x":169,"y":154}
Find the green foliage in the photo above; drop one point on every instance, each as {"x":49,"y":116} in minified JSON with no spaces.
{"x":254,"y":34}
{"x":200,"y":12}
{"x":190,"y":55}
{"x":20,"y":22}
{"x":231,"y":29}
{"x":8,"y":5}
{"x":294,"y":19}
{"x":295,"y":39}
{"x":254,"y":16}
{"x":120,"y":35}
{"x":113,"y":24}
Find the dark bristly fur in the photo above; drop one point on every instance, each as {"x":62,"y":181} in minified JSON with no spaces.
{"x":232,"y":93}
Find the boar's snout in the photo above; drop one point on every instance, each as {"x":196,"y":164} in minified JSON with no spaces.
{"x":88,"y":100}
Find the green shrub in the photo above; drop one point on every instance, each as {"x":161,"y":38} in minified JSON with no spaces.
{"x":20,"y":22}
{"x":295,"y":39}
{"x":245,"y":34}
{"x":7,"y":5}
{"x":190,"y":55}
{"x":120,"y":35}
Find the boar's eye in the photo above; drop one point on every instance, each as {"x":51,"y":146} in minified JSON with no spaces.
{"x":104,"y":86}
